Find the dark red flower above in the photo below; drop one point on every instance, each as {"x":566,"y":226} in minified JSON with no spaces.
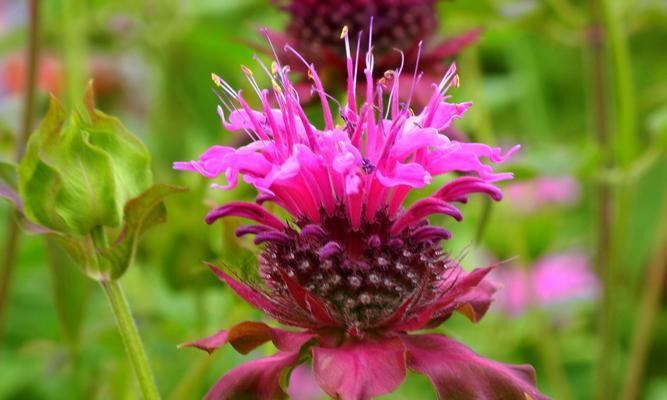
{"x":405,"y":32}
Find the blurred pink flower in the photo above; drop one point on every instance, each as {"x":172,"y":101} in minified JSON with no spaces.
{"x":353,"y":267}
{"x":554,"y":280}
{"x":303,"y":386}
{"x":532,"y":195}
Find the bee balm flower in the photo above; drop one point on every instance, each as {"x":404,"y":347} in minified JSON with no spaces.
{"x":353,"y":267}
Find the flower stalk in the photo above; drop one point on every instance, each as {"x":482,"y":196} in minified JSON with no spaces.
{"x":131,"y":339}
{"x":649,"y":306}
{"x":619,"y":150}
{"x":13,"y":231}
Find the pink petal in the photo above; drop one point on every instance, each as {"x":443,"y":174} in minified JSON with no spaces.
{"x":210,"y":164}
{"x":360,"y":370}
{"x":410,"y":174}
{"x":459,"y":373}
{"x":257,"y":379}
{"x":446,"y":113}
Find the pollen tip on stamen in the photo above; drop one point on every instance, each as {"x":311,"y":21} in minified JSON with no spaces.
{"x":247,"y":71}
{"x":216,"y":79}
{"x":276,"y":87}
{"x":344,"y":31}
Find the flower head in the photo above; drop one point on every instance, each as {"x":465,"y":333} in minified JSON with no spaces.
{"x":353,"y":266}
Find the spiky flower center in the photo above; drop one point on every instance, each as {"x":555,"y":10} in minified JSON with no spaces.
{"x":397,"y":24}
{"x":363,"y":275}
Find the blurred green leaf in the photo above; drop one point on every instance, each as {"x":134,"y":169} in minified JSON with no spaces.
{"x":71,"y":292}
{"x":141,"y":213}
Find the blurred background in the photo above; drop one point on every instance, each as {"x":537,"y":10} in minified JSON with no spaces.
{"x":581,"y":85}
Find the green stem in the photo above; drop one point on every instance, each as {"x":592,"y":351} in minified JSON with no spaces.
{"x":625,"y":145}
{"x":13,"y":230}
{"x":619,"y":151}
{"x":130,"y":336}
{"x":7,"y":271}
{"x":649,"y":307}
{"x":550,"y":355}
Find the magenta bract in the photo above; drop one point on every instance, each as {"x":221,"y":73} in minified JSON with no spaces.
{"x":353,"y":266}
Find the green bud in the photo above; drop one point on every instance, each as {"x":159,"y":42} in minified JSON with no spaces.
{"x":78,"y":172}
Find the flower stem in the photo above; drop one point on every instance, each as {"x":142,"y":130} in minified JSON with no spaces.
{"x":649,"y":306}
{"x":131,"y":339}
{"x":550,"y":354}
{"x":619,"y":150}
{"x":13,"y":230}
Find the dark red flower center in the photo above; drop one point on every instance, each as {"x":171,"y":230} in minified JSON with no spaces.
{"x":363,"y":275}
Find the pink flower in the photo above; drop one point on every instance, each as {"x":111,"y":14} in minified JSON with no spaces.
{"x":303,"y":386}
{"x":532,"y":195}
{"x":554,"y":279}
{"x":350,"y":267}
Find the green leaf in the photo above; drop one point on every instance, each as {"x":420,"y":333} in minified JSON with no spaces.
{"x":79,"y":171}
{"x":141,"y":213}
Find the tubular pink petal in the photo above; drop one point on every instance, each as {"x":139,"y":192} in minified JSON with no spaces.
{"x":432,"y":233}
{"x":459,"y":188}
{"x":422,"y":209}
{"x":330,"y":249}
{"x":251,"y":230}
{"x":245,"y":210}
{"x":272,"y":236}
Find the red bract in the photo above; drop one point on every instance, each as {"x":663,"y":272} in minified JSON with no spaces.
{"x":353,"y":267}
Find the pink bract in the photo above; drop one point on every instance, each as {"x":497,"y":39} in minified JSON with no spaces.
{"x":352,"y":266}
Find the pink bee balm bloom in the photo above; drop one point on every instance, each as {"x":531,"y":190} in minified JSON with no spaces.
{"x":352,"y":267}
{"x":554,"y":280}
{"x":533,"y":195}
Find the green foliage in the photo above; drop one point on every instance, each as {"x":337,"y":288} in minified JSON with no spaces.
{"x":79,"y":171}
{"x":141,"y":213}
{"x":9,"y":183}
